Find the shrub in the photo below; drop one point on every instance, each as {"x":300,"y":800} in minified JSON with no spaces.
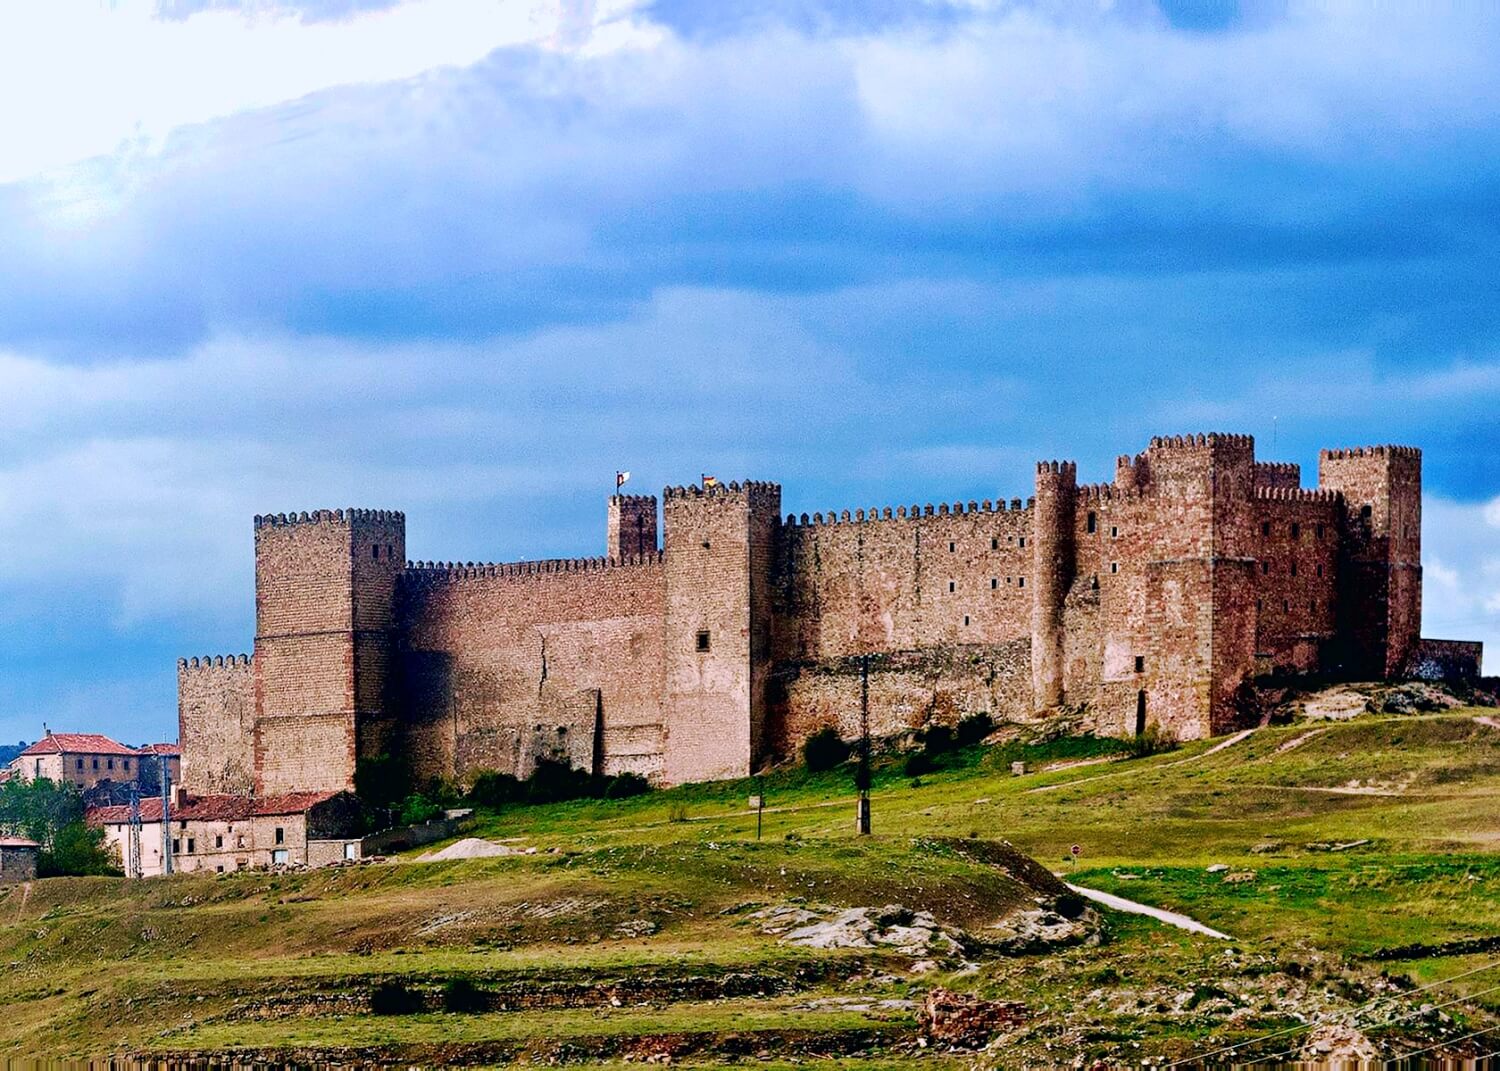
{"x":462,"y":995}
{"x":974,"y":728}
{"x":937,"y":740}
{"x":918,"y":763}
{"x":395,"y":998}
{"x":76,"y":849}
{"x":624,"y":785}
{"x":415,"y":809}
{"x":677,"y":812}
{"x":1153,"y":741}
{"x":493,"y":789}
{"x":383,"y":781}
{"x":553,"y":781}
{"x":824,"y":750}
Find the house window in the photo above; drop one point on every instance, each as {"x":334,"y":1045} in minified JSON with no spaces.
{"x":192,"y":845}
{"x":111,"y":763}
{"x":218,"y":840}
{"x":1286,"y":606}
{"x":1140,"y":663}
{"x":239,"y":842}
{"x":175,"y":848}
{"x":1093,"y":522}
{"x":1366,"y":512}
{"x":1296,"y":531}
{"x":125,"y":764}
{"x":80,"y":764}
{"x":96,"y":762}
{"x":1259,"y":606}
{"x":1320,"y":570}
{"x":220,"y":868}
{"x":703,"y":641}
{"x":280,"y":835}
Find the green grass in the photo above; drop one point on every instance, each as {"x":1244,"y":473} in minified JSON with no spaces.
{"x":657,"y":887}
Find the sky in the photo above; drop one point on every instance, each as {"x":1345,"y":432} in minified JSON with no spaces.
{"x":466,"y":259}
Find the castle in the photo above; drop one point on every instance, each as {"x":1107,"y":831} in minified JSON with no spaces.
{"x":698,"y":649}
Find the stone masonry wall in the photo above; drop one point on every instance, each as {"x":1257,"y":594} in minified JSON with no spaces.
{"x":493,"y":660}
{"x":216,"y":724}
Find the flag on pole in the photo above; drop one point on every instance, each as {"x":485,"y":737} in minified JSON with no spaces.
{"x":710,"y":481}
{"x":620,"y":478}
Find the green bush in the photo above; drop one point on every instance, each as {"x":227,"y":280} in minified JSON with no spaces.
{"x":383,"y":781}
{"x":625,"y":785}
{"x":395,"y":998}
{"x":1153,"y":741}
{"x":489,"y":788}
{"x":974,"y":728}
{"x":76,"y":849}
{"x":463,"y":996}
{"x":918,"y":763}
{"x":824,"y":750}
{"x":415,"y":809}
{"x":938,"y":740}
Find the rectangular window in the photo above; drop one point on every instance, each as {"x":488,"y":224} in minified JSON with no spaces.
{"x":1265,"y":528}
{"x":1296,"y":531}
{"x":1258,"y":606}
{"x":1020,"y":581}
{"x":218,"y":840}
{"x":280,"y":835}
{"x":110,"y":763}
{"x":279,"y":857}
{"x":192,"y":845}
{"x":375,"y":551}
{"x":950,"y":586}
{"x":994,"y":582}
{"x":80,"y":764}
{"x":1140,"y":663}
{"x":1294,"y":568}
{"x":952,"y":547}
{"x":1320,"y":570}
{"x":966,"y":620}
{"x":1093,"y":522}
{"x":1265,"y":567}
{"x":1114,"y":531}
{"x":1023,"y":541}
{"x":1320,"y":531}
{"x":703,"y":640}
{"x":1286,"y":606}
{"x":994,"y":544}
{"x":96,"y":762}
{"x":220,"y":868}
{"x":1114,"y":567}
{"x":175,"y":848}
{"x":126,"y":764}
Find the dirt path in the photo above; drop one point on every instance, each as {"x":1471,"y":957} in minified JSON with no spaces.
{"x":1297,"y":741}
{"x":1228,"y":741}
{"x":1171,"y":918}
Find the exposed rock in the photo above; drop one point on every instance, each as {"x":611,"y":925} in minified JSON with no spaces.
{"x":968,"y":1021}
{"x":1337,"y":1043}
{"x":1040,"y":930}
{"x":1337,"y":704}
{"x":916,"y":933}
{"x":1216,"y":868}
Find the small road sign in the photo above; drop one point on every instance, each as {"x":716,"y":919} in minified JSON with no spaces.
{"x":1076,"y":851}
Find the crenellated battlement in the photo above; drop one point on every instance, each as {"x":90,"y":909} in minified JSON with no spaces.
{"x":203,"y":662}
{"x":1107,"y":492}
{"x":1297,"y":494}
{"x":1201,"y":439}
{"x":431,"y":572}
{"x":734,"y":487}
{"x":879,"y":514}
{"x":326,"y":516}
{"x":1388,"y":450}
{"x":1057,"y":468}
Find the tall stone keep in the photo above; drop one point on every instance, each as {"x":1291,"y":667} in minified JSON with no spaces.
{"x":324,"y":587}
{"x":1051,"y":575}
{"x":1380,"y":590}
{"x":720,"y":546}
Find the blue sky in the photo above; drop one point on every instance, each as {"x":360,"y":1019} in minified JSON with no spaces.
{"x":467,"y":258}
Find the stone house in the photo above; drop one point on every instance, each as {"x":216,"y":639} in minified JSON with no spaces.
{"x":17,"y":859}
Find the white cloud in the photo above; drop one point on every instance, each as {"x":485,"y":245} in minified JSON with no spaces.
{"x":1461,"y":559}
{"x":99,"y":77}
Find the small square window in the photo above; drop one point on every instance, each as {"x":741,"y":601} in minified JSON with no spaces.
{"x":1140,"y":663}
{"x":703,"y":640}
{"x":1114,"y":567}
{"x":1114,"y":531}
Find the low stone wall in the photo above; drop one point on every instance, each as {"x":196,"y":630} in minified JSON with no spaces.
{"x":1439,"y":660}
{"x":401,"y":838}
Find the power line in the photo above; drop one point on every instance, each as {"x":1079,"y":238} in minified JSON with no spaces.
{"x":1451,"y":1041}
{"x":1401,"y":1018}
{"x":1363,"y":1007}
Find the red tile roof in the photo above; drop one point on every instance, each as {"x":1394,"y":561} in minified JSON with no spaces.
{"x":78,"y":743}
{"x":211,"y":808}
{"x":160,"y":749}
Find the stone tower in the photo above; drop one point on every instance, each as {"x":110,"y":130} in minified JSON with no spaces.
{"x":632,"y":527}
{"x":1052,"y":573}
{"x":324,"y":587}
{"x":720,"y":547}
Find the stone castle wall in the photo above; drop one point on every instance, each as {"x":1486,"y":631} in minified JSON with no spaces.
{"x":1147,"y":601}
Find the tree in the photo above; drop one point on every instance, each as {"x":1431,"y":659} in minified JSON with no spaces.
{"x":52,"y":815}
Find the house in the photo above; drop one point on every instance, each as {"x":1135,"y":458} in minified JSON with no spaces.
{"x":226,"y":833}
{"x":82,"y":759}
{"x":17,"y":859}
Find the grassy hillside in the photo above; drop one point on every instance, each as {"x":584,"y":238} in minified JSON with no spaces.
{"x":1351,"y":861}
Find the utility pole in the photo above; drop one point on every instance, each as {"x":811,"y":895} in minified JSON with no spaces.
{"x":134,"y":844}
{"x":862,"y":771}
{"x":166,"y":816}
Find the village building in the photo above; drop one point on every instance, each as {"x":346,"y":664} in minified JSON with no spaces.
{"x":17,"y":859}
{"x":220,"y":833}
{"x":86,"y":759}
